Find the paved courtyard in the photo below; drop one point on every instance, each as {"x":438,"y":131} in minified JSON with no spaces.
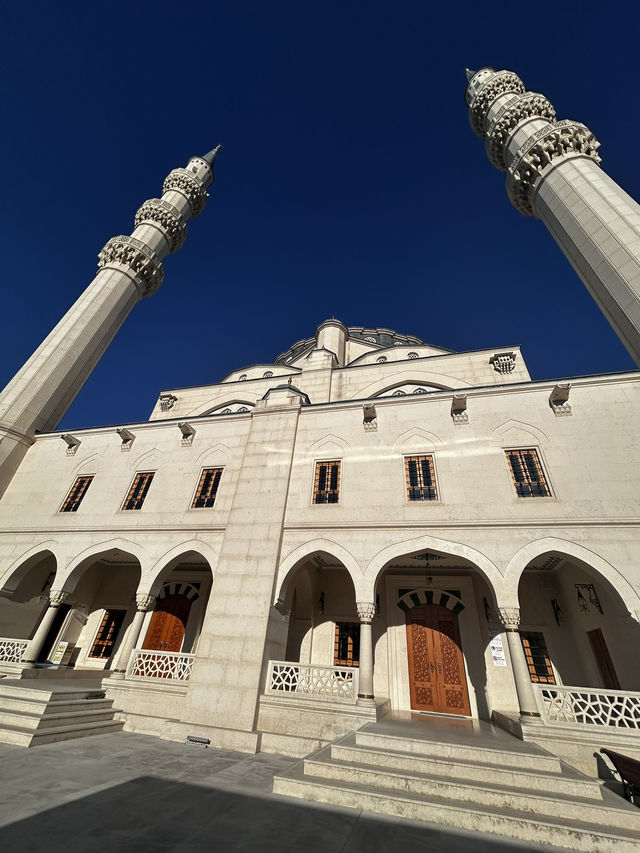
{"x":129,"y":793}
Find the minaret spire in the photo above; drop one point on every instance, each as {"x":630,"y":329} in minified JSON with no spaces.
{"x":553,"y":173}
{"x":130,"y":268}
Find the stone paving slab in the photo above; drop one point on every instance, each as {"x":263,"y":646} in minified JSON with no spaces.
{"x":128,"y":793}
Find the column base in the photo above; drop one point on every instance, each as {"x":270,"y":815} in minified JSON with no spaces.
{"x":117,"y":674}
{"x":366,"y":699}
{"x":531,"y":718}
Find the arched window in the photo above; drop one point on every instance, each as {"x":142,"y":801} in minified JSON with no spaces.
{"x":369,"y":339}
{"x":243,"y":409}
{"x":420,"y":391}
{"x":267,"y":374}
{"x":225,"y":412}
{"x":242,"y":376}
{"x":413,"y":355}
{"x":381,"y":359}
{"x":399,"y":393}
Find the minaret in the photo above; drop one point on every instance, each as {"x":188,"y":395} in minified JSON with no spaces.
{"x":130,"y":268}
{"x":553,"y":173}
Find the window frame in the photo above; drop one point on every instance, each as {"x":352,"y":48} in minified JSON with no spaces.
{"x":352,"y":641}
{"x":107,"y":610}
{"x":317,"y":463}
{"x":534,"y":677}
{"x":90,"y":478}
{"x":203,"y":471}
{"x":541,"y":465}
{"x":405,"y":470}
{"x":123,"y":507}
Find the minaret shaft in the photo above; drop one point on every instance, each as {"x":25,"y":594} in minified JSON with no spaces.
{"x":553,"y":174}
{"x":131,"y":268}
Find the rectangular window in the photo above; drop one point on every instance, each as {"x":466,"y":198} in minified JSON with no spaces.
{"x":346,"y":647}
{"x":207,"y":488}
{"x":326,"y":486}
{"x":421,"y":478}
{"x":138,"y":490}
{"x":527,"y":473}
{"x":78,"y":491}
{"x":107,"y":634}
{"x":537,"y":657}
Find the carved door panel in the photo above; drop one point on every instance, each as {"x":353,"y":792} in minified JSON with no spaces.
{"x":168,"y":624}
{"x":437,"y":678}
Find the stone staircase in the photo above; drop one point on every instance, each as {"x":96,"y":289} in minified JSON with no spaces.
{"x":468,"y":775}
{"x":35,"y":711}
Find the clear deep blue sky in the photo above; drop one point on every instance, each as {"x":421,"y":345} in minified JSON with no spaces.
{"x":350,"y":184}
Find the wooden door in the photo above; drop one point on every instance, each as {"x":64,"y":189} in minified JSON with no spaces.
{"x":603,"y":660}
{"x":437,"y":678}
{"x":168,"y":624}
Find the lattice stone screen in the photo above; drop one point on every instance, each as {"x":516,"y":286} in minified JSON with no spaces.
{"x":336,"y":683}
{"x":11,"y":650}
{"x":166,"y":665}
{"x":588,"y":706}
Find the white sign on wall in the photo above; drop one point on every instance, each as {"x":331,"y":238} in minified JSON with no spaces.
{"x":497,"y":651}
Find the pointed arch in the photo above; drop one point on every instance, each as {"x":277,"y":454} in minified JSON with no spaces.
{"x":217,"y":452}
{"x":91,"y":465}
{"x":618,"y":584}
{"x":438,"y":381}
{"x":72,"y":573}
{"x":290,"y":563}
{"x":432,"y":595}
{"x":514,"y":432}
{"x":15,"y":573}
{"x":150,"y":458}
{"x":327,"y":441}
{"x":234,"y":401}
{"x":418,"y":438}
{"x":152,"y":580}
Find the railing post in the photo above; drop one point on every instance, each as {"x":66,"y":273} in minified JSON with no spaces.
{"x":366,"y":612}
{"x":144,"y":603}
{"x":510,"y":618}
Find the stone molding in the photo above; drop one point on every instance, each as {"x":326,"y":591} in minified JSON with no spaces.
{"x":138,"y":258}
{"x":366,"y":611}
{"x":145,"y":602}
{"x":519,"y":108}
{"x":162,"y":213}
{"x":541,"y":153}
{"x":180,"y":179}
{"x":509,"y":617}
{"x":498,"y":84}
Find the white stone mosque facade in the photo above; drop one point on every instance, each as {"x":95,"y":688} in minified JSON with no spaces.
{"x":364,"y":525}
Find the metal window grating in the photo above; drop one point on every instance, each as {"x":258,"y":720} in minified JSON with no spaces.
{"x":107,"y":634}
{"x":138,"y":490}
{"x":346,"y":646}
{"x":207,"y":490}
{"x":528,"y":476}
{"x":537,"y":657}
{"x":326,"y":484}
{"x":77,"y":492}
{"x":421,"y":478}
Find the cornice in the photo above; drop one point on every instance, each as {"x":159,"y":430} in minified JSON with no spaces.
{"x":146,"y":528}
{"x":465,"y":525}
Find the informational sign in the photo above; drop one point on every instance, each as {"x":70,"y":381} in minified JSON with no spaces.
{"x":62,"y":654}
{"x":497,"y":651}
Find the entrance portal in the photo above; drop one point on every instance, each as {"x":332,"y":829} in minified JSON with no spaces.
{"x":168,"y":624}
{"x":437,"y":678}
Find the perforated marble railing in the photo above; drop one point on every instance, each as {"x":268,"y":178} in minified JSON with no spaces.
{"x":12,"y":650}
{"x":333,"y":683}
{"x":146,"y":664}
{"x":589,"y":706}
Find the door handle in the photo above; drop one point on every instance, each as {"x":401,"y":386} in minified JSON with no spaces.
{"x":431,"y":666}
{"x":439,"y":667}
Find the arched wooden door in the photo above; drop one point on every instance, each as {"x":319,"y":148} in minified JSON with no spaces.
{"x":437,"y":679}
{"x":168,"y":624}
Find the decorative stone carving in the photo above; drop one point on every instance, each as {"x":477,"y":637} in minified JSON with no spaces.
{"x":166,"y":215}
{"x":459,"y":412}
{"x":138,"y":258}
{"x":503,"y":362}
{"x":180,"y":179}
{"x":509,"y":617}
{"x":498,"y":84}
{"x":126,"y":437}
{"x":72,"y":443}
{"x":527,"y":105}
{"x":167,"y":401}
{"x":559,"y":399}
{"x":366,"y":610}
{"x":370,"y":418}
{"x":145,"y":602}
{"x":560,"y":141}
{"x":57,"y":597}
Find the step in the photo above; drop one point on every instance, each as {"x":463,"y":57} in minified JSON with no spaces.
{"x":30,"y":706}
{"x":20,"y":736}
{"x":523,"y":826}
{"x":569,"y":782}
{"x":47,"y":692}
{"x":488,"y":795}
{"x":531,"y":757}
{"x":42,"y":721}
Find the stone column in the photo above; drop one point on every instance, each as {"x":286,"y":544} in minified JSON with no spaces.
{"x":366,"y":612}
{"x":510,"y":618}
{"x":56,"y":598}
{"x":144,"y":603}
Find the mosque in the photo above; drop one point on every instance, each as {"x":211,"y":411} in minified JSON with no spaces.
{"x":367,"y":527}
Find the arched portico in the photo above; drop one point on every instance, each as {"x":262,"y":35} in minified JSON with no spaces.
{"x":293,"y":560}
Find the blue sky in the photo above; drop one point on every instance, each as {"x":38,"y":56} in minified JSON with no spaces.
{"x":350,"y":183}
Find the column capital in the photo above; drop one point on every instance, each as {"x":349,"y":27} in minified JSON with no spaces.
{"x":144,"y":601}
{"x":57,"y":597}
{"x":366,"y":610}
{"x":510,"y":617}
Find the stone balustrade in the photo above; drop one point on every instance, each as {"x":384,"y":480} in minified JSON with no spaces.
{"x":150,"y":664}
{"x":12,"y":650}
{"x":335,"y":683}
{"x":562,"y":705}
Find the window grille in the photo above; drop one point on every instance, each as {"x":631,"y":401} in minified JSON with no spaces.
{"x":399,"y":393}
{"x":346,"y":646}
{"x":77,"y":492}
{"x":138,"y":490}
{"x":537,"y":657}
{"x":528,"y":476}
{"x":413,"y":355}
{"x":421,"y":478}
{"x":207,"y":488}
{"x":326,"y":485}
{"x":107,"y":634}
